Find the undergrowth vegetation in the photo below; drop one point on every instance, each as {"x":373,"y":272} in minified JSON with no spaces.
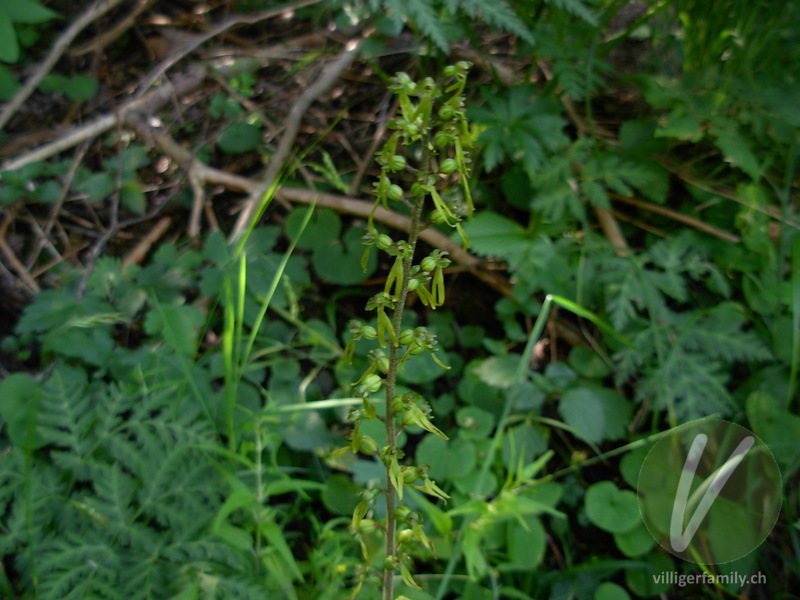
{"x":171,"y":417}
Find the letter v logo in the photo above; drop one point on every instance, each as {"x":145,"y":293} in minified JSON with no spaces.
{"x":679,"y":538}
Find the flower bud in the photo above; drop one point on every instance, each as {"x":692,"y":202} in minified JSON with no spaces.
{"x":384,"y":241}
{"x":428,"y":264}
{"x":373,"y":382}
{"x":406,"y":336}
{"x":410,"y":475}
{"x":367,"y":445}
{"x":442,"y":139}
{"x":405,"y":536}
{"x":369,"y":332}
{"x":437,"y":216}
{"x":397,"y":162}
{"x":366,"y":526}
{"x":449,"y":165}
{"x":395,"y":192}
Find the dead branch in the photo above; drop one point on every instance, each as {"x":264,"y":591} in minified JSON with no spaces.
{"x":278,"y":159}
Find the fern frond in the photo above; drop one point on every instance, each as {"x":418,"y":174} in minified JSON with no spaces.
{"x":496,"y":13}
{"x":719,"y":334}
{"x":65,"y":414}
{"x":690,"y":386}
{"x":577,"y":8}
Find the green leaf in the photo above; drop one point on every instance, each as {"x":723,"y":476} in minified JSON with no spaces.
{"x":635,"y":542}
{"x":9,"y":46}
{"x":239,"y":137}
{"x":583,"y":411}
{"x":8,"y":83}
{"x":499,"y":371}
{"x":98,"y":186}
{"x":54,"y":82}
{"x":778,"y":428}
{"x":493,"y":235}
{"x":526,"y":545}
{"x":736,"y":149}
{"x":610,"y":591}
{"x":610,"y":508}
{"x":133,"y":198}
{"x":27,"y":11}
{"x":340,"y":495}
{"x":322,"y":230}
{"x":587,"y":363}
{"x":17,"y":406}
{"x":522,"y":127}
{"x":179,"y":325}
{"x":340,"y":262}
{"x":475,"y":421}
{"x":81,"y":87}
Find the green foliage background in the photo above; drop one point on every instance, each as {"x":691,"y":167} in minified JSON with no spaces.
{"x":174,"y":440}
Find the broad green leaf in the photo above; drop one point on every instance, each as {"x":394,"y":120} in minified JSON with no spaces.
{"x":81,"y":87}
{"x":499,"y":371}
{"x":133,"y":198}
{"x":323,"y":228}
{"x":643,"y":582}
{"x":610,"y":591}
{"x":475,"y":421}
{"x":340,"y":262}
{"x":9,"y":46}
{"x":27,"y":11}
{"x":779,"y":429}
{"x":422,"y":368}
{"x":526,"y":545}
{"x":8,"y":83}
{"x":610,"y":508}
{"x":340,"y":495}
{"x":635,"y":542}
{"x":588,"y":363}
{"x":54,"y":82}
{"x":97,"y":186}
{"x":521,"y":445}
{"x":239,"y":137}
{"x":582,"y":410}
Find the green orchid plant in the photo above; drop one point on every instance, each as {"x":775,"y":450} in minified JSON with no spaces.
{"x":430,"y":144}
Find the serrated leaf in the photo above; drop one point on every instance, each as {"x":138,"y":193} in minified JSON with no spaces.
{"x":736,"y":149}
{"x":521,"y":127}
{"x":179,"y":326}
{"x":493,"y":235}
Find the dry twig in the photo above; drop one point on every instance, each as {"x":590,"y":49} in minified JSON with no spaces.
{"x":281,"y":155}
